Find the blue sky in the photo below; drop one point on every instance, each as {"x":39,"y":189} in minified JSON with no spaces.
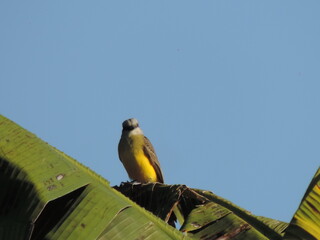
{"x":227,"y":91}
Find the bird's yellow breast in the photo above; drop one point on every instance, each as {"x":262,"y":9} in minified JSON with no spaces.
{"x":135,"y":161}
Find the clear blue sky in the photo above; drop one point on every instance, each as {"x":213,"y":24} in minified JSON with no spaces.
{"x":227,"y":91}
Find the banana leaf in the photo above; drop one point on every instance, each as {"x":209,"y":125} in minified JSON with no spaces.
{"x":46,"y":194}
{"x":205,"y":215}
{"x":305,"y":224}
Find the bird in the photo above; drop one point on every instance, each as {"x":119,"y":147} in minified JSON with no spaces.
{"x":138,"y":155}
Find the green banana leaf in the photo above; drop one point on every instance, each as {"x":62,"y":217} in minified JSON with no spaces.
{"x":305,"y":224}
{"x":46,"y":194}
{"x":206,"y":216}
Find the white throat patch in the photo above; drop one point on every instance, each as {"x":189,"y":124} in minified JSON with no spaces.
{"x":136,"y":131}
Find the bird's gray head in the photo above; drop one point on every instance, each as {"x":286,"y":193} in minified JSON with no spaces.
{"x":130,"y":124}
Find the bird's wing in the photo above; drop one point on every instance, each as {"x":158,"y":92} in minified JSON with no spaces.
{"x":151,"y":155}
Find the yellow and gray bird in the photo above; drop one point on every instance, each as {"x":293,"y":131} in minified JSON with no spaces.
{"x":137,"y":154}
